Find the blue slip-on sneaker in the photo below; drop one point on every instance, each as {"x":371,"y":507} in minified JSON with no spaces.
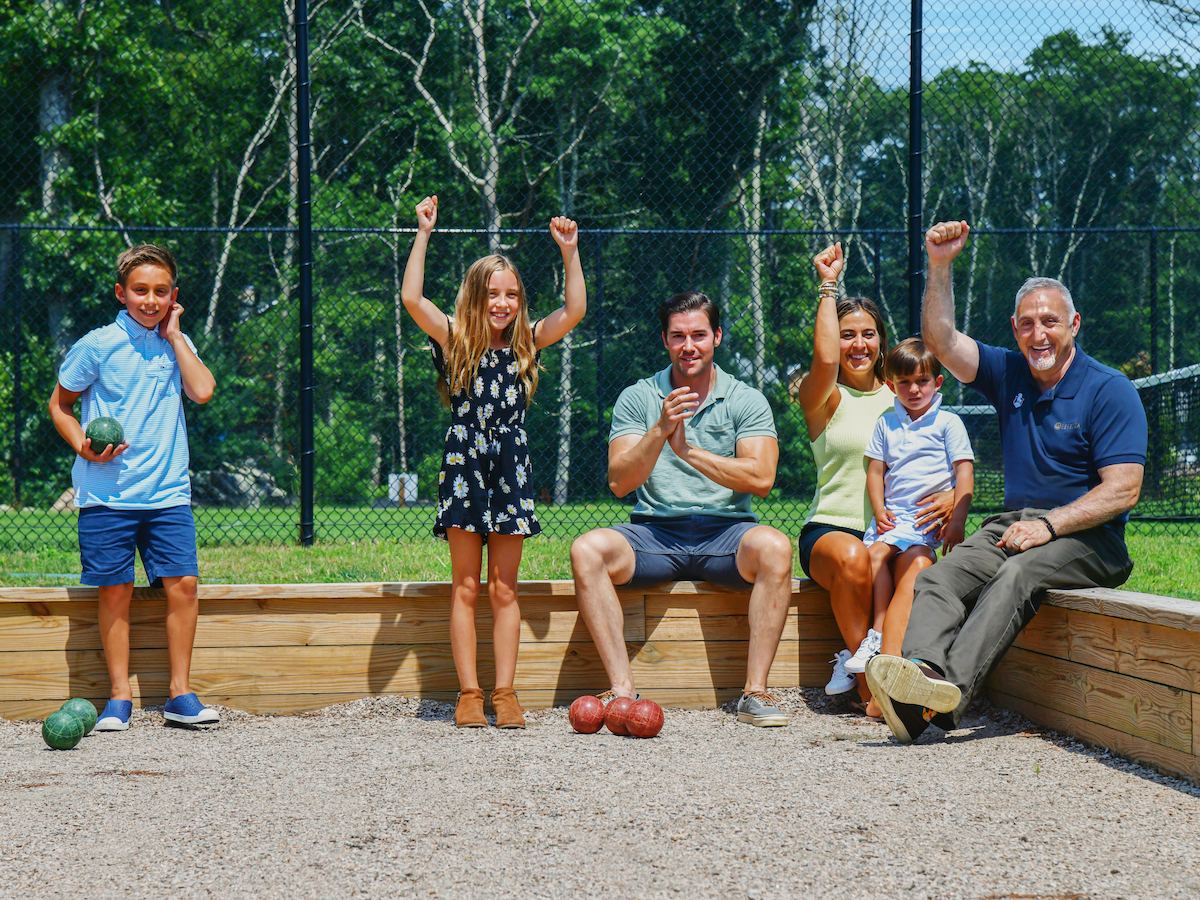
{"x":186,"y":709}
{"x":115,"y":716}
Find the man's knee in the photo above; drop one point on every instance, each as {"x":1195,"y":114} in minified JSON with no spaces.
{"x":601,"y":553}
{"x":766,"y":553}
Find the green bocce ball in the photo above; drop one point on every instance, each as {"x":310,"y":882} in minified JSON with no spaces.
{"x":62,"y":730}
{"x":84,"y":710}
{"x":104,"y":431}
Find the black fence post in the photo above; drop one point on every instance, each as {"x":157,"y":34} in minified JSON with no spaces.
{"x":304,"y":190}
{"x":877,"y":246}
{"x":916,"y":244}
{"x":1153,"y":300}
{"x":18,"y":331}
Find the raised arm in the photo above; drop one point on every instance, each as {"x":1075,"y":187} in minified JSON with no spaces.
{"x":815,"y":387}
{"x":428,"y":317}
{"x":556,"y":325}
{"x":632,"y":457}
{"x":957,"y":352}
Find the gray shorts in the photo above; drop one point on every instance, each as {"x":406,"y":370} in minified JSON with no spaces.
{"x":688,"y":548}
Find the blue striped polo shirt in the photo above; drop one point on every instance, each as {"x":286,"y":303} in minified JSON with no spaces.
{"x":129,"y":373}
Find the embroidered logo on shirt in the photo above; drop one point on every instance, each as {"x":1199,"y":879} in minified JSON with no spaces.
{"x":1018,"y":400}
{"x":1066,"y":426}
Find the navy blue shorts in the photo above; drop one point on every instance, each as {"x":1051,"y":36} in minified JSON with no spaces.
{"x":165,"y":538}
{"x":688,"y":548}
{"x":813,"y":532}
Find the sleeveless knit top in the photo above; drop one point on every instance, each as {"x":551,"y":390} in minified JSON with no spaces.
{"x":841,"y":497}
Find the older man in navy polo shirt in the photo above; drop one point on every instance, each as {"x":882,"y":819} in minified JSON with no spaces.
{"x":1073,"y":434}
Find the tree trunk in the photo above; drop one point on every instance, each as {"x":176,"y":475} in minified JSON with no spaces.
{"x":398,"y":312}
{"x":54,"y":111}
{"x":754,"y":220}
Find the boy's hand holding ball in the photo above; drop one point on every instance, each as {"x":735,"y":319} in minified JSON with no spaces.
{"x":427,"y":214}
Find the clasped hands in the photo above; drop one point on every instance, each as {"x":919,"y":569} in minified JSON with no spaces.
{"x":679,"y":406}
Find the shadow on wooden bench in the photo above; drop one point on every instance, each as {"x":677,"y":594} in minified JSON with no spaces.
{"x":1113,"y":668}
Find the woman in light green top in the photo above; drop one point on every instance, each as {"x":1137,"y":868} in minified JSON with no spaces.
{"x":842,"y":395}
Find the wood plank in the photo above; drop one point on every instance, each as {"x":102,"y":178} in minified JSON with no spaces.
{"x":370,"y":669}
{"x":1173,"y":612}
{"x":1195,"y":724}
{"x":368,"y":590}
{"x":1048,"y":633}
{"x":1153,"y":712}
{"x":727,"y":604}
{"x":230,"y":623}
{"x":1150,"y":753}
{"x":737,"y":628}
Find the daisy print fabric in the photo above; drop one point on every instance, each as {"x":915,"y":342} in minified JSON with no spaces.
{"x":486,"y":482}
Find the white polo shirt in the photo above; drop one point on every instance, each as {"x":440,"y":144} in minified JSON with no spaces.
{"x":130,"y":373}
{"x":919,"y":455}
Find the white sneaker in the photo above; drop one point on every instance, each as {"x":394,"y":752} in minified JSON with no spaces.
{"x":841,"y":681}
{"x":871,"y":644}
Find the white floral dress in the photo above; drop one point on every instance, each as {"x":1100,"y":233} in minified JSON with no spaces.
{"x":486,"y":482}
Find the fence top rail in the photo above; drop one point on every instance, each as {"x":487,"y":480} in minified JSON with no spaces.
{"x":483,"y":232}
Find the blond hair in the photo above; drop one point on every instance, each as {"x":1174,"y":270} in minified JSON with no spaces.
{"x":470,"y":336}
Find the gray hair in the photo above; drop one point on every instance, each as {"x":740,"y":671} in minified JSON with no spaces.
{"x":1044,"y":284}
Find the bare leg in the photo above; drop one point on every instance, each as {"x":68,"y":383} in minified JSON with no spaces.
{"x":183,"y":608}
{"x":882,"y":587}
{"x":840,"y":564}
{"x":466,"y":556}
{"x":764,"y":558}
{"x":906,"y":567}
{"x":504,"y":560}
{"x":114,"y":635}
{"x":600,"y":559}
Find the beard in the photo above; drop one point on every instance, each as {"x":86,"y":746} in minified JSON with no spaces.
{"x":1044,"y":363}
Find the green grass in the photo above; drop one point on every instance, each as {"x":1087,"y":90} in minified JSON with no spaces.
{"x":1166,"y":565}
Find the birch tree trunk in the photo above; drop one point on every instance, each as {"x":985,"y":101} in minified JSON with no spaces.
{"x":568,"y":179}
{"x":752,"y":220}
{"x":283,"y":272}
{"x":54,"y":111}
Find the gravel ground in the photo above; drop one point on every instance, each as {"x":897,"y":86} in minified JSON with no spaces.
{"x":384,"y":798}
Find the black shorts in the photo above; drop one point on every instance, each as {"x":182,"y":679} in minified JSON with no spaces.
{"x":813,"y":532}
{"x":687,"y":548}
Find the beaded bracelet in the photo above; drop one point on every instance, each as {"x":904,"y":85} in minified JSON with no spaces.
{"x":1049,"y":527}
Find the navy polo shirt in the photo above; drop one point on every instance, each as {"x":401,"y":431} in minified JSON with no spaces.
{"x":1054,"y":442}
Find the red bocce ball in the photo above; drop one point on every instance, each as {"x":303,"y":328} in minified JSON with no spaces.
{"x":644,"y":719}
{"x":586,"y":715}
{"x":614,"y":716}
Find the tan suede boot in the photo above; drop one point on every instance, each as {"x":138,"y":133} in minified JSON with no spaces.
{"x":469,"y":712}
{"x":508,"y":711}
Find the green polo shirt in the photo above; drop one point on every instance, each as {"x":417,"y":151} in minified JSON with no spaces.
{"x":731,"y":411}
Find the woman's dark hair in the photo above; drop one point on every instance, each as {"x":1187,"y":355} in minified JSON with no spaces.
{"x":848,"y":306}
{"x":687,"y":302}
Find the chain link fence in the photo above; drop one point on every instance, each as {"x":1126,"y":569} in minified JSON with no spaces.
{"x":713,"y":146}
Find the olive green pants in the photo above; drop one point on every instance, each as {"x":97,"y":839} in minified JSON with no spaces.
{"x":970,"y":606}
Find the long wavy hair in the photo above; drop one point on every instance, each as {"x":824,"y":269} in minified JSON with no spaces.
{"x":470,"y":336}
{"x":849,"y":305}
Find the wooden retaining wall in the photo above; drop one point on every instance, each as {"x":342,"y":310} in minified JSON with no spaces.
{"x":1114,"y":668}
{"x":296,"y":647}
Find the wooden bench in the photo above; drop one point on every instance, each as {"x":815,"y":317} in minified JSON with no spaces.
{"x":1117,"y":669}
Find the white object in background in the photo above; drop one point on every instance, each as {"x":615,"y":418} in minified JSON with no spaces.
{"x":407,"y":480}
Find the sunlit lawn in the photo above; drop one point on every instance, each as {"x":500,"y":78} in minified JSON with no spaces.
{"x":1168,"y":565}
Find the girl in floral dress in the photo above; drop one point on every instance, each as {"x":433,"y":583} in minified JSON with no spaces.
{"x":487,"y":360}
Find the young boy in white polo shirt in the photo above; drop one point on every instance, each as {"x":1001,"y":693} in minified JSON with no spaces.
{"x":137,"y":495}
{"x":917,"y":449}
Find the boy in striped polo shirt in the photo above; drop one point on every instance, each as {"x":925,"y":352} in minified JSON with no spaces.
{"x":137,"y":494}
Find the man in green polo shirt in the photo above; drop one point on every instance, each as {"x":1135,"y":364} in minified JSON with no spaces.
{"x":695,"y":444}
